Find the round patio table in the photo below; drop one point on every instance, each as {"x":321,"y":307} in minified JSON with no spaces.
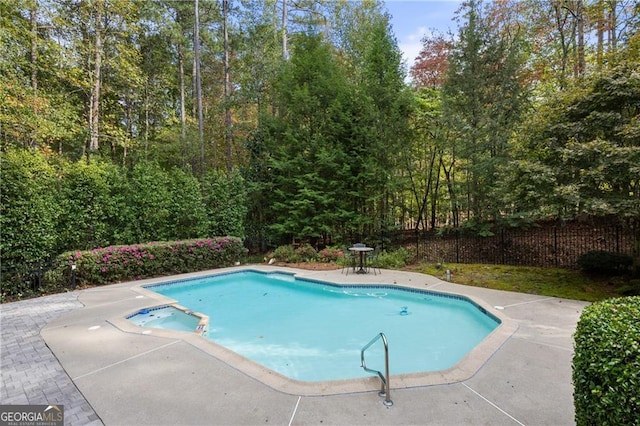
{"x":361,"y":250}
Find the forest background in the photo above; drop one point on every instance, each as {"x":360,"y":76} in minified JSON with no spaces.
{"x":125,"y":122}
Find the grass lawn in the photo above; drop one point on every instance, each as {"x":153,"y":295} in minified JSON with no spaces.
{"x":543,"y":281}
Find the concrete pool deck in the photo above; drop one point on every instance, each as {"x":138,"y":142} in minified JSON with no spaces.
{"x":105,"y":374}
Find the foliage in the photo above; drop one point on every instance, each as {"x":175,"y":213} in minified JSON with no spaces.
{"x":225,"y":200}
{"x":305,"y":252}
{"x":286,"y":253}
{"x":395,"y":259}
{"x":582,"y":151}
{"x":310,"y":170}
{"x":50,"y":205}
{"x":85,"y":203}
{"x":605,"y":262}
{"x":189,"y":216}
{"x":330,"y":254}
{"x":122,"y":215}
{"x":484,"y":99}
{"x":106,"y":265}
{"x":29,"y":208}
{"x":36,"y":110}
{"x":149,"y":201}
{"x":606,"y":363}
{"x":322,"y":135}
{"x":329,"y":143}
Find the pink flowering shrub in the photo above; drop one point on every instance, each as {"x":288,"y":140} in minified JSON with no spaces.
{"x":106,"y":265}
{"x":330,"y":254}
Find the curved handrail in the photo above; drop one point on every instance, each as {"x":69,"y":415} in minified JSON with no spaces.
{"x":386,"y":390}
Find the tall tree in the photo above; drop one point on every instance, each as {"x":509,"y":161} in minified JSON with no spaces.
{"x":432,"y":63}
{"x":228,"y":131}
{"x":483,"y":100}
{"x":96,"y":76}
{"x":307,"y":159}
{"x":99,"y":38}
{"x":383,"y":86}
{"x":38,"y":106}
{"x":198,"y":83}
{"x":582,"y":151}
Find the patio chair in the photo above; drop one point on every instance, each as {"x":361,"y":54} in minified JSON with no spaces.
{"x":372,"y":261}
{"x":349,"y":260}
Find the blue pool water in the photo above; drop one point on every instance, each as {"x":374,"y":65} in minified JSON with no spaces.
{"x":314,"y":331}
{"x":165,"y":317}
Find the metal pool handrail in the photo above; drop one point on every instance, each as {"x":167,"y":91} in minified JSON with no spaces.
{"x":385,"y":390}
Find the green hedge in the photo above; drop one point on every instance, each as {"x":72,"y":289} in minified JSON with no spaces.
{"x":606,"y":364}
{"x":605,"y":262}
{"x":133,"y":262}
{"x":50,"y":205}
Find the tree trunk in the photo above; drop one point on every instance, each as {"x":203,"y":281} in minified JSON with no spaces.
{"x":561,"y":20}
{"x":285,"y":52}
{"x":452,"y":193}
{"x":94,"y":107}
{"x":434,"y":201}
{"x":580,"y":51}
{"x":613,"y":22}
{"x":600,"y":35}
{"x":228,"y":135}
{"x":33,"y":16}
{"x":183,"y":111}
{"x":196,"y":50}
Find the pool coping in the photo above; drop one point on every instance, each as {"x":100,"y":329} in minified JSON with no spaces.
{"x":466,"y":368}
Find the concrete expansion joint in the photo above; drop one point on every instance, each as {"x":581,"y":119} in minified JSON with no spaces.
{"x":493,"y":404}
{"x":528,"y":302}
{"x":124,"y":360}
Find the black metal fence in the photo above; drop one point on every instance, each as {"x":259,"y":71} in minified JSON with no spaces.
{"x":23,"y":279}
{"x":551,"y":244}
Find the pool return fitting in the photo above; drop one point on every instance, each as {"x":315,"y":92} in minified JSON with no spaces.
{"x":385,"y":391}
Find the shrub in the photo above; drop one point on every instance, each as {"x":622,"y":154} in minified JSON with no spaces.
{"x":122,"y":263}
{"x":28,"y":209}
{"x":306,"y":253}
{"x":85,"y":205}
{"x":605,"y":262}
{"x":606,"y":363}
{"x":188,"y":216}
{"x":394,"y":259}
{"x":150,"y":201}
{"x":330,"y":254}
{"x":225,"y":202}
{"x":286,"y":254}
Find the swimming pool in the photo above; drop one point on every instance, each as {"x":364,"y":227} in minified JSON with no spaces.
{"x":170,"y":317}
{"x":313,"y":331}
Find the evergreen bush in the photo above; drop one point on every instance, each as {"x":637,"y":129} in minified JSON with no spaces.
{"x":606,"y":363}
{"x":286,"y":253}
{"x":29,"y":210}
{"x":85,"y":204}
{"x":394,"y":259}
{"x":605,"y":262}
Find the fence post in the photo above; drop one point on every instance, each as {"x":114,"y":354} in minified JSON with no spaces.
{"x":457,"y":246}
{"x":502,"y":246}
{"x":555,"y":245}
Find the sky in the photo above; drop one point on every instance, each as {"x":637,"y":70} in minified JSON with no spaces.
{"x":413,"y":19}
